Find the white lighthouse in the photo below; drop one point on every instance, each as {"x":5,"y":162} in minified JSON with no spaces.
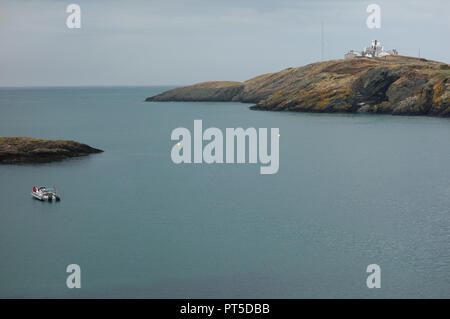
{"x":376,"y":50}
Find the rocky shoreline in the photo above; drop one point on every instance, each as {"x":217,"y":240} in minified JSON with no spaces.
{"x":395,"y":85}
{"x":14,"y":150}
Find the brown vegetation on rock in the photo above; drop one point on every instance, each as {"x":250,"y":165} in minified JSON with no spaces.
{"x":33,"y":150}
{"x":392,"y":85}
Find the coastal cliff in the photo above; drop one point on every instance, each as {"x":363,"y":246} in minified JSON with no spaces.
{"x":391,"y":85}
{"x":31,"y":150}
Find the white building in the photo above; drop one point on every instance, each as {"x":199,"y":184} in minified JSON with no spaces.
{"x":374,"y":51}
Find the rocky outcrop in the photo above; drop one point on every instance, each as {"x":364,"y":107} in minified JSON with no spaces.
{"x":391,"y":85}
{"x":32,"y":150}
{"x":206,"y":91}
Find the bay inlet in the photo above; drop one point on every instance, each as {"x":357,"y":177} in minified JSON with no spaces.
{"x":352,"y":190}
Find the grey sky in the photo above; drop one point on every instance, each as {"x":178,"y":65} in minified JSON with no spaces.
{"x":160,"y":42}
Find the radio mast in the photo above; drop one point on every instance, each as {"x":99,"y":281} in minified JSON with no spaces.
{"x":321,"y":41}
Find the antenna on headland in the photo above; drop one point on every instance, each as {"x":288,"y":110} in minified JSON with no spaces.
{"x":321,"y":41}
{"x":419,"y":53}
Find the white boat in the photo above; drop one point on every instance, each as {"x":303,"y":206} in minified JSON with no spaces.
{"x":42,"y":193}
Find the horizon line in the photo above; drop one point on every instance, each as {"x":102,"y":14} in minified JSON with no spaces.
{"x":83,"y":86}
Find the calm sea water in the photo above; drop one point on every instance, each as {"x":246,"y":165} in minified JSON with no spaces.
{"x":352,"y":190}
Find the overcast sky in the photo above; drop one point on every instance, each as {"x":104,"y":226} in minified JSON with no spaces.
{"x":165,"y":42}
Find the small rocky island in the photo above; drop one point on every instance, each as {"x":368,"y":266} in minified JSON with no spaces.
{"x":31,"y":150}
{"x":391,"y":84}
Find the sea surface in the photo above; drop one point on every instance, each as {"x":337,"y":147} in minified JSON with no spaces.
{"x":352,"y":190}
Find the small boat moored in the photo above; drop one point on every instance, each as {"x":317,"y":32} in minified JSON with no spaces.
{"x":42,"y":193}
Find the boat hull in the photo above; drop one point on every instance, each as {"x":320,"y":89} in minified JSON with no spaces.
{"x":45,"y":197}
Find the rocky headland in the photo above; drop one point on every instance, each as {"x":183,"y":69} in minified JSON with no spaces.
{"x":392,"y":85}
{"x":31,"y":150}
